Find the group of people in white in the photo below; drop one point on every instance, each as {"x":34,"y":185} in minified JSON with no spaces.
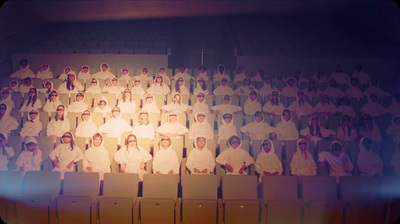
{"x":268,"y":108}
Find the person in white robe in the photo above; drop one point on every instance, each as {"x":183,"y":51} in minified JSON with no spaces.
{"x":26,"y":85}
{"x":368,"y":128}
{"x":221,"y":74}
{"x":325,"y":107}
{"x":303,"y":163}
{"x":354,"y":90}
{"x":375,"y":88}
{"x":252,"y":104}
{"x":94,"y":87}
{"x":182,"y":73}
{"x":200,"y":160}
{"x":227,"y":127}
{"x":63,"y":76}
{"x":132,"y":157}
{"x":59,"y":124}
{"x":373,"y":107}
{"x":48,"y":87}
{"x":7,"y":122}
{"x":274,"y":106}
{"x":394,"y":107}
{"x":13,"y":86}
{"x":369,"y":163}
{"x":24,"y":71}
{"x":340,"y":76}
{"x":86,"y":128}
{"x":6,"y":154}
{"x":144,"y":76}
{"x":346,"y":131}
{"x":259,"y":76}
{"x":150,"y":105}
{"x":339,"y":163}
{"x":137,"y":88}
{"x":312,"y":90}
{"x":226,"y":107}
{"x":320,"y":77}
{"x":6,"y":98}
{"x":84,"y":73}
{"x":346,"y":108}
{"x":32,"y":126}
{"x":71,"y":85}
{"x":144,"y":128}
{"x":96,"y":157}
{"x":180,"y":87}
{"x":301,"y":107}
{"x":395,"y":160}
{"x":127,"y":104}
{"x":113,"y":86}
{"x":104,"y":73}
{"x":125,"y":75}
{"x":201,"y":104}
{"x":333,"y":89}
{"x":314,"y":132}
{"x":203,"y":74}
{"x":240,"y":76}
{"x":244,"y":89}
{"x":172,"y":128}
{"x":102,"y":106}
{"x":201,"y":128}
{"x":286,"y":128}
{"x":44,"y":72}
{"x":235,"y":159}
{"x":164,"y":75}
{"x":268,"y":87}
{"x":33,"y":102}
{"x":158,"y":87}
{"x":258,"y":129}
{"x":79,"y":105}
{"x":30,"y":158}
{"x":165,"y":159}
{"x":176,"y":106}
{"x":66,"y":155}
{"x":393,"y":129}
{"x":291,"y":89}
{"x":268,"y":162}
{"x":360,"y":74}
{"x":201,"y":87}
{"x":223,"y":89}
{"x":115,"y":126}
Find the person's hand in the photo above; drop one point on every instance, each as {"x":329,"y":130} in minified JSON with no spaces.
{"x":308,"y":138}
{"x":217,"y":112}
{"x":275,"y":173}
{"x":247,"y":135}
{"x":267,"y":173}
{"x":322,"y":165}
{"x":188,"y":111}
{"x":123,"y":168}
{"x":204,"y":171}
{"x":142,"y":165}
{"x":229,"y":168}
{"x":273,"y":135}
{"x":158,"y":172}
{"x":197,"y":170}
{"x":56,"y":164}
{"x":22,"y":168}
{"x":242,"y":169}
{"x":35,"y":151}
{"x":237,"y":112}
{"x":70,"y":165}
{"x":334,"y":136}
{"x":171,"y":172}
{"x":90,"y":169}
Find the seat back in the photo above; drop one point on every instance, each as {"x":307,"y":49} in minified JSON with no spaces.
{"x":203,"y":187}
{"x":282,"y":188}
{"x":10,"y":183}
{"x":319,"y":188}
{"x":121,"y":185}
{"x":239,"y":187}
{"x":160,"y":186}
{"x":81,"y":184}
{"x":42,"y":183}
{"x":358,"y":188}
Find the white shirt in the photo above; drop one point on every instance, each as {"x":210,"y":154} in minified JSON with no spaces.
{"x":132,"y":158}
{"x":200,"y":159}
{"x":166,"y":160}
{"x":236,"y":158}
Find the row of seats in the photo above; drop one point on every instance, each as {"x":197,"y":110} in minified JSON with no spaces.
{"x":194,"y":199}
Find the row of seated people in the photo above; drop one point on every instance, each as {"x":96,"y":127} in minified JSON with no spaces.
{"x":82,"y":198}
{"x":233,"y":156}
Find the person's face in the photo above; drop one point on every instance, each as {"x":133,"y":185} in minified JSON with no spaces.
{"x":104,"y":68}
{"x":300,"y":95}
{"x":67,"y":138}
{"x":127,"y":94}
{"x":246,"y":81}
{"x":53,"y":97}
{"x":114,"y":82}
{"x":5,"y":94}
{"x":102,"y":104}
{"x":332,"y":82}
{"x":97,"y":141}
{"x":158,"y":79}
{"x":132,"y":142}
{"x":86,"y":115}
{"x":344,"y":102}
{"x":325,"y":99}
{"x":286,"y":116}
{"x":224,"y":82}
{"x":346,"y":122}
{"x":367,"y":119}
{"x":314,"y":121}
{"x":173,"y":118}
{"x":266,"y":146}
{"x":124,"y":71}
{"x":201,"y":143}
{"x":268,"y":80}
{"x":32,"y":92}
{"x":60,"y":110}
{"x":337,"y":153}
{"x":12,"y":84}
{"x":85,"y":69}
{"x":201,"y":82}
{"x":144,"y":72}
{"x":33,"y":115}
{"x":45,"y":67}
{"x":253,"y":97}
{"x":227,"y":100}
{"x":115,"y":113}
{"x":2,"y":109}
{"x":258,"y":118}
{"x":144,"y":116}
{"x":228,"y":119}
{"x":137,"y":83}
{"x":290,"y":82}
{"x":373,"y":98}
{"x":71,"y":77}
{"x":367,"y":144}
{"x":48,"y":85}
{"x":200,"y":98}
{"x":31,"y":146}
{"x":94,"y":82}
{"x":201,"y":118}
{"x":177,"y":99}
{"x":162,"y":71}
{"x":235,"y":143}
{"x":28,"y":82}
{"x":149,"y":99}
{"x":354,"y":82}
{"x":165,"y":143}
{"x":67,"y":70}
{"x":275,"y":96}
{"x":202,"y":70}
{"x":182,"y":70}
{"x":180,"y":82}
{"x":24,"y":64}
{"x":302,"y":145}
{"x":79,"y":97}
